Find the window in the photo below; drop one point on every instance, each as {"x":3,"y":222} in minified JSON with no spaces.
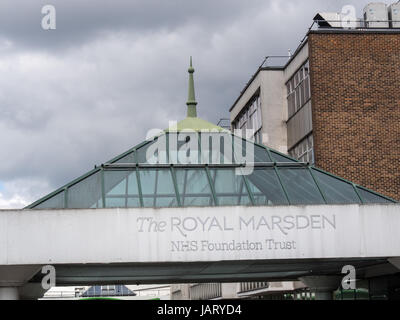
{"x":304,"y":150}
{"x":194,"y":188}
{"x":300,"y":186}
{"x":229,"y":187}
{"x":265,"y":186}
{"x":298,"y":89}
{"x":250,"y":119}
{"x":121,"y":189}
{"x":157,"y":188}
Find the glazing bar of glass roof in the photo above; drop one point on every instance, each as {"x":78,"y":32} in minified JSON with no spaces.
{"x":317,"y":184}
{"x":178,"y":198}
{"x":251,"y":195}
{"x":139,"y":185}
{"x":103,"y":197}
{"x":357,"y":193}
{"x":282,"y":185}
{"x":212,"y":187}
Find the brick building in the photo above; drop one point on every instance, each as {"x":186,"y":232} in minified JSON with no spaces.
{"x":335,"y":103}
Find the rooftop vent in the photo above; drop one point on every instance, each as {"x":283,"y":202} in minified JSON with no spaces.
{"x":394,"y":15}
{"x":328,"y":19}
{"x":336,"y":20}
{"x":376,"y":15}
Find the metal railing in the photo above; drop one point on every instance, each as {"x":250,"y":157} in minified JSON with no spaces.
{"x":360,"y":24}
{"x":267,"y":59}
{"x":224,"y":123}
{"x":205,"y":291}
{"x":60,"y":294}
{"x":252,"y":286}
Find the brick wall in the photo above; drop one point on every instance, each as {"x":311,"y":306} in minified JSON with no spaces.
{"x":355,"y":84}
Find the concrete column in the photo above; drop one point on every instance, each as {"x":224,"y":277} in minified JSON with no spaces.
{"x":229,"y":290}
{"x":9,"y":293}
{"x":323,"y":286}
{"x":31,"y":291}
{"x":12,"y":278}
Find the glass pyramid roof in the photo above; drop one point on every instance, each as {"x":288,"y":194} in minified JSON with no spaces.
{"x":196,"y":163}
{"x":164,"y":172}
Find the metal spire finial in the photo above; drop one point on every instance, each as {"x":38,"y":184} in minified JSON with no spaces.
{"x":191,"y":103}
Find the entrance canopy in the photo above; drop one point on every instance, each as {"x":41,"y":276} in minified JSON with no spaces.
{"x":262,"y":207}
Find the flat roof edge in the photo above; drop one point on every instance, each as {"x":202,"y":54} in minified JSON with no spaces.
{"x":275,"y":68}
{"x":305,"y":41}
{"x":356,"y":31}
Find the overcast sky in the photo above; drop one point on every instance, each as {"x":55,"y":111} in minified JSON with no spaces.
{"x":79,"y":95}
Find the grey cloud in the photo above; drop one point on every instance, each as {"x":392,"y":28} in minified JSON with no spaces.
{"x":112,"y":70}
{"x":81,"y":20}
{"x":78,"y":20}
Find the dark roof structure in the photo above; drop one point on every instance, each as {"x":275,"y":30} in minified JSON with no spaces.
{"x":107,"y":291}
